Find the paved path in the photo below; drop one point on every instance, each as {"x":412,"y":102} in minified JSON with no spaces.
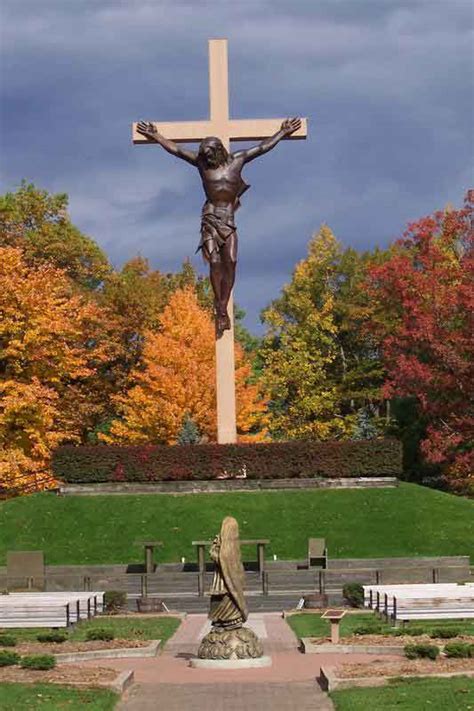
{"x":168,"y":683}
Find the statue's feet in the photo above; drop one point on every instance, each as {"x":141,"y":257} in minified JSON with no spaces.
{"x":222,"y":322}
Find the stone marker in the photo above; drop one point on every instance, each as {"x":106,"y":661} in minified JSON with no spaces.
{"x":334,"y":617}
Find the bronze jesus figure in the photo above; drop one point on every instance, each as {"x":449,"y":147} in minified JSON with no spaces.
{"x":221,"y":175}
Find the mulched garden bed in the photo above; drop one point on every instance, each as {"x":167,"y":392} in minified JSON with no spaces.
{"x":404,"y":668}
{"x":72,"y":646}
{"x":63,"y":673}
{"x":380,"y":640}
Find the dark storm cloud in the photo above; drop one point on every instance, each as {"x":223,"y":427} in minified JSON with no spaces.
{"x":386,"y":86}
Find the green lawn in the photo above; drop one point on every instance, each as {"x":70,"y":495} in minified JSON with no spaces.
{"x":406,"y":521}
{"x":125,"y":628}
{"x":312,"y":625}
{"x":49,"y":697}
{"x":455,"y":694}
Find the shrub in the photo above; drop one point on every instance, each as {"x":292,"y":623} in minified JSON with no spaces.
{"x":54,"y":637}
{"x":459,"y":650}
{"x":376,"y":628}
{"x":266,"y":460}
{"x":408,"y":631}
{"x":7,"y":640}
{"x":421,"y":651}
{"x":443,"y":633}
{"x":354,"y":594}
{"x":38,"y":661}
{"x":8,"y":659}
{"x":114,"y":601}
{"x":100,"y":633}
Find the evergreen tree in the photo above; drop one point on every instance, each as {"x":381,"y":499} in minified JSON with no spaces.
{"x":189,"y":433}
{"x":364,"y":426}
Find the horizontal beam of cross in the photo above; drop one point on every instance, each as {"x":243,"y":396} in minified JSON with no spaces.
{"x":233,"y":130}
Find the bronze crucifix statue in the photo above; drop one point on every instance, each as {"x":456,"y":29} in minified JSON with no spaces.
{"x":221,"y":175}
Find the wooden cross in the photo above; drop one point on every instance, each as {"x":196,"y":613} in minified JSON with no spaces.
{"x":227,"y":130}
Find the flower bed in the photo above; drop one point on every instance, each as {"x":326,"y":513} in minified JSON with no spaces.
{"x":69,"y":647}
{"x":62,"y":674}
{"x":415,"y":667}
{"x":381,"y":640}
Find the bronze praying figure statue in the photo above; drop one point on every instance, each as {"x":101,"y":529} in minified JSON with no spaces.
{"x":228,"y":638}
{"x":221,"y":175}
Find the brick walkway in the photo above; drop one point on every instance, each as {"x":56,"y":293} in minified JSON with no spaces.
{"x":167,"y":682}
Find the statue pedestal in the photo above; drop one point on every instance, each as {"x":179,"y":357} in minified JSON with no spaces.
{"x":230,"y":649}
{"x":226,"y":664}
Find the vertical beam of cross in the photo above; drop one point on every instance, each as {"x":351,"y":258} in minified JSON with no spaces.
{"x":227,"y":129}
{"x":225,"y":344}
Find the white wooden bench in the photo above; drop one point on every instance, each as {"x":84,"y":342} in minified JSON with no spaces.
{"x":91,"y":602}
{"x":458,"y":594}
{"x":431,"y":608}
{"x":57,"y":609}
{"x":374,"y":595}
{"x":38,"y":615}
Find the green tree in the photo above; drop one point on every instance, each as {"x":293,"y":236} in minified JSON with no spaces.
{"x":321,"y":361}
{"x":38,"y":223}
{"x":300,"y":346}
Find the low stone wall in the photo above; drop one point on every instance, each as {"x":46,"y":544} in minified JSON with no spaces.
{"x":225,"y":485}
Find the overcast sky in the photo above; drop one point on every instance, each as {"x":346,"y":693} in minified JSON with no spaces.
{"x":386,"y":86}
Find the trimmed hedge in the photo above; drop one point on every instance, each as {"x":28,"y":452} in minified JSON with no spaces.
{"x":459,"y":650}
{"x":51,"y":637}
{"x":354,"y":594}
{"x":8,"y":659}
{"x":272,"y":460}
{"x":100,"y":633}
{"x":421,"y":651}
{"x":42,"y":662}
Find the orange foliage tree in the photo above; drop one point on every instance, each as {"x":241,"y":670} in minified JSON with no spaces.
{"x":52,"y":343}
{"x":176,"y":378}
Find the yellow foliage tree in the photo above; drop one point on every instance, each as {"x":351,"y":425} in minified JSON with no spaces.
{"x":300,"y":348}
{"x":49,"y":348}
{"x":176,"y":378}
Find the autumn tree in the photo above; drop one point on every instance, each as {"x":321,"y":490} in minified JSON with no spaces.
{"x":321,"y":365}
{"x":425,"y":299}
{"x":175,"y":380}
{"x":38,"y":223}
{"x":53,"y":340}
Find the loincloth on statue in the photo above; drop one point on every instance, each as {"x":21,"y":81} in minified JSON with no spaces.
{"x":217,"y":230}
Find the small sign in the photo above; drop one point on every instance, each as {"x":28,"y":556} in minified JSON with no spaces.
{"x":333,"y":614}
{"x":300,"y":604}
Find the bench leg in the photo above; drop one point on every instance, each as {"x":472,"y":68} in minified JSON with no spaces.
{"x":148,"y":559}
{"x":201,"y":569}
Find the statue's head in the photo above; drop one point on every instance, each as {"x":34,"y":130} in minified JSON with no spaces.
{"x":229,"y":529}
{"x":213,"y":151}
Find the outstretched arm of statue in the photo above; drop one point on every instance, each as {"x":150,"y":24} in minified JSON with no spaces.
{"x":288,"y":127}
{"x":150,"y":132}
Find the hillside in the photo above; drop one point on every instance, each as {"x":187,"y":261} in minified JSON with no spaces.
{"x":406,"y":521}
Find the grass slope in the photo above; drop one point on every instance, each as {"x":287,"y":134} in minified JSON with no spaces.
{"x":406,"y":521}
{"x":313,"y":625}
{"x":123,"y":627}
{"x":49,"y":697}
{"x":455,"y":694}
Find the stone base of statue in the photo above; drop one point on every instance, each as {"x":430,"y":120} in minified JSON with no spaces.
{"x":230,"y":649}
